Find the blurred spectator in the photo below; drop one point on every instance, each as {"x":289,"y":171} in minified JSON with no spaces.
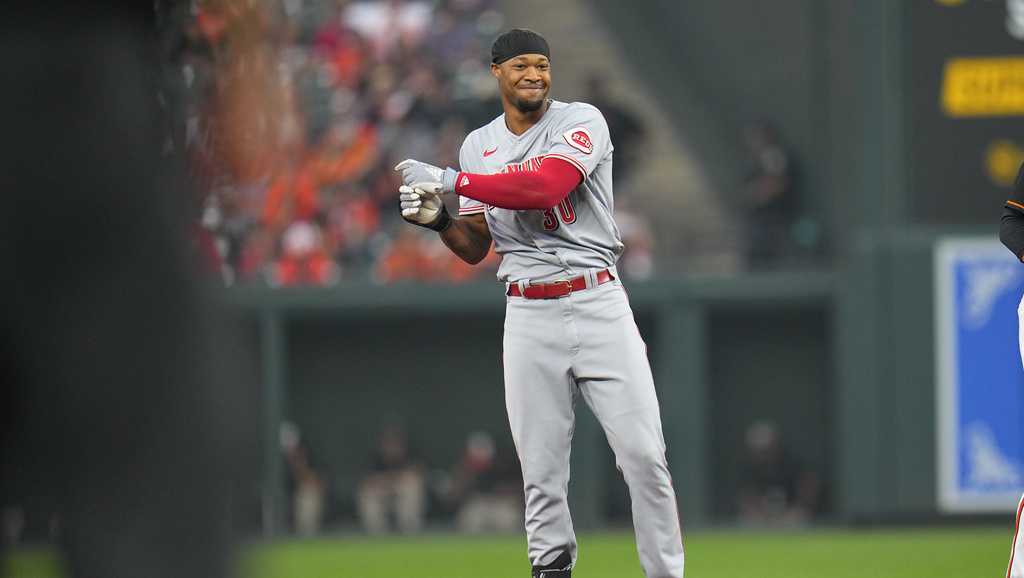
{"x":771,"y":202}
{"x":223,"y":230}
{"x":255,"y":256}
{"x":306,"y":486}
{"x":394,"y":488}
{"x":487,"y":488}
{"x":29,"y":518}
{"x":12,"y":523}
{"x":352,"y":224}
{"x":624,"y":127}
{"x":775,"y":489}
{"x":343,"y":50}
{"x":304,"y":259}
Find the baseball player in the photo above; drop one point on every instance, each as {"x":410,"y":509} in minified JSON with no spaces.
{"x":1011,"y":233}
{"x":537,"y":181}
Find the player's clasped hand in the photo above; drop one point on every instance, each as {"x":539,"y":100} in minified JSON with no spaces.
{"x":419,"y":207}
{"x":427,"y":177}
{"x":422,"y":208}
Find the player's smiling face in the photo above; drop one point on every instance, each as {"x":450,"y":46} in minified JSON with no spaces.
{"x":524,"y":81}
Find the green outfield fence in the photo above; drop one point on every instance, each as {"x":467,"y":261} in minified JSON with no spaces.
{"x":842,"y":360}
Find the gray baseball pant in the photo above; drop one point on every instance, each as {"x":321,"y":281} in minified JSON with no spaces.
{"x":588,"y":344}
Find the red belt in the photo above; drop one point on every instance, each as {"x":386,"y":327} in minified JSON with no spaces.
{"x":558,"y":288}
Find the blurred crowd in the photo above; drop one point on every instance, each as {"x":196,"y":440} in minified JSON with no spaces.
{"x":296,"y":111}
{"x":398,"y":490}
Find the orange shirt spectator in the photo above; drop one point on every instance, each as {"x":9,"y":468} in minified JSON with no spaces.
{"x":291,"y":195}
{"x":344,"y":157}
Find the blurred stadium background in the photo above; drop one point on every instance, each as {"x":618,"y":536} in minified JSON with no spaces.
{"x":809,"y":194}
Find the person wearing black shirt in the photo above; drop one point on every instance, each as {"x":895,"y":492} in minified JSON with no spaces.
{"x":1011,"y":228}
{"x":775,"y":488}
{"x":394,"y":487}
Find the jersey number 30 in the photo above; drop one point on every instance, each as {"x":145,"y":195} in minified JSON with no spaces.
{"x":566,"y":212}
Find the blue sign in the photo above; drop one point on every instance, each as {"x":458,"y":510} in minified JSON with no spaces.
{"x":980,"y":401}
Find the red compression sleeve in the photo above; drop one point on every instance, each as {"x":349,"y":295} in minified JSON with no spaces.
{"x":540,"y":189}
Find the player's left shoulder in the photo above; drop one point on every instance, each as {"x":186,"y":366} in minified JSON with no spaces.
{"x":583,"y":127}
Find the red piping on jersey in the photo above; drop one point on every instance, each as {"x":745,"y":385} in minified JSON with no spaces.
{"x":540,"y":189}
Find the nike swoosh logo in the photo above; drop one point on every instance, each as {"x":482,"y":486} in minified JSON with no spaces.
{"x":488,"y":153}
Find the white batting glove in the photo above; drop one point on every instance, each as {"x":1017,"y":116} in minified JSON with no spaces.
{"x":423,"y":208}
{"x":427,"y":177}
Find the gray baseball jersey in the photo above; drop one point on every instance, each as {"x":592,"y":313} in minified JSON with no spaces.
{"x":576,"y":235}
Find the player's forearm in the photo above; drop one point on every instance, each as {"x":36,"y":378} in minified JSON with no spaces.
{"x":1011,"y":231}
{"x":541,"y":189}
{"x":467,"y":240}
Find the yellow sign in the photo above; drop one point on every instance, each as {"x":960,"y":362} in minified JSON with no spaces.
{"x":974,"y":87}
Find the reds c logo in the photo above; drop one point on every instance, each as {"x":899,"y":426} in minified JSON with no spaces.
{"x":579,"y":139}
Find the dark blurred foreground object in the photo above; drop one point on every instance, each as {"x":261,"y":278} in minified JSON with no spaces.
{"x":116,"y":372}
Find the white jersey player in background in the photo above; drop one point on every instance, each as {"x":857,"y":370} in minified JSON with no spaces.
{"x":537,"y":180}
{"x":1011,"y":233}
